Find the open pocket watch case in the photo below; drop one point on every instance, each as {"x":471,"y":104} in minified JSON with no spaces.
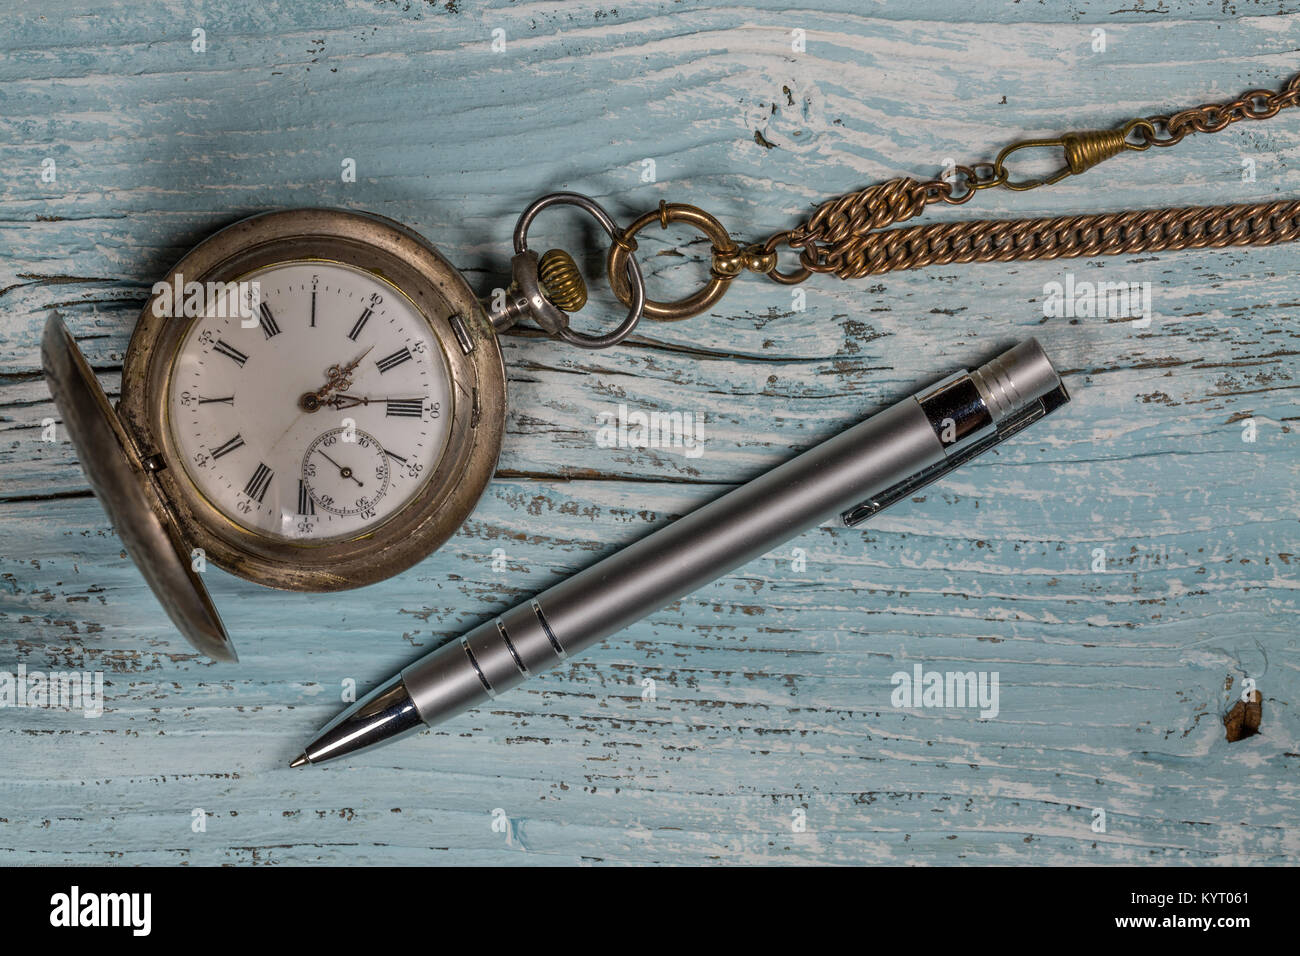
{"x":285,"y":475}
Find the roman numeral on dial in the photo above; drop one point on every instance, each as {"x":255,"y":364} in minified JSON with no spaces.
{"x":305,"y":505}
{"x":405,"y":407}
{"x":228,"y":447}
{"x":361,"y":324}
{"x":223,"y":347}
{"x":392,"y":361}
{"x":267,"y":321}
{"x":257,"y":485}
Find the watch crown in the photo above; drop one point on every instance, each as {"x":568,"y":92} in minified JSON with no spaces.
{"x":561,"y":280}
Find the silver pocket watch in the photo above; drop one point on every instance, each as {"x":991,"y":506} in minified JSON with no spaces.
{"x":312,"y":399}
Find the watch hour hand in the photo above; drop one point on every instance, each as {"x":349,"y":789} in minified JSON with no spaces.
{"x":336,"y":376}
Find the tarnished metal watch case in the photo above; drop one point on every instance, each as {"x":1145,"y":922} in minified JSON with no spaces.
{"x":161,"y":492}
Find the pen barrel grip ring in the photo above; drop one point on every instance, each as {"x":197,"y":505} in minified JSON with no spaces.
{"x":490,"y":659}
{"x":514,"y":646}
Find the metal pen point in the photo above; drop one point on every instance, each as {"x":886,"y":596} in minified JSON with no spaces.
{"x":855,"y":475}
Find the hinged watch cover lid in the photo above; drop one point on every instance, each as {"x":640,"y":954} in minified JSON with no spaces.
{"x":121,"y":482}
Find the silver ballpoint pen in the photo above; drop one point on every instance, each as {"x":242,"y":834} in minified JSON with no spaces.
{"x":854,"y":475}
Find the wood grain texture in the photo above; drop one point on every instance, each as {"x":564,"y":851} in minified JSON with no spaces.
{"x":773,"y":684}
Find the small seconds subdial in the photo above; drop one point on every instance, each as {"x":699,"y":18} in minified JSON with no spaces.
{"x":345,"y":471}
{"x":257,"y":400}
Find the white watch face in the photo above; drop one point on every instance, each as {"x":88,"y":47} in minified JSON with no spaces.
{"x":319,"y":416}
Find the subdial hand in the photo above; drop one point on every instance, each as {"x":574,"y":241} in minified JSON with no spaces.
{"x":344,"y":470}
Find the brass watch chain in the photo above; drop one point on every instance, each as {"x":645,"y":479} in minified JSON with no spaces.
{"x":849,"y":236}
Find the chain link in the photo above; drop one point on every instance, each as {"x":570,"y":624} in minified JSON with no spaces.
{"x":849,"y":235}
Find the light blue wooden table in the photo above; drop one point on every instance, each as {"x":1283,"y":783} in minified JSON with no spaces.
{"x":771,"y":736}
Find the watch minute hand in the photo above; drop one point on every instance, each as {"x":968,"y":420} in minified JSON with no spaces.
{"x":352,"y":401}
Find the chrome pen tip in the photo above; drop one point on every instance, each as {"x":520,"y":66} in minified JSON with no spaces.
{"x":299,"y":760}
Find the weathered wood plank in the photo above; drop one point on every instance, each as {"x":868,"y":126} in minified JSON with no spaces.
{"x":772,"y":685}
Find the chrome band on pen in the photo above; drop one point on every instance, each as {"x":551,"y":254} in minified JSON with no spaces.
{"x":956,"y":410}
{"x":505,"y":637}
{"x":546,"y":628}
{"x":464,"y":645}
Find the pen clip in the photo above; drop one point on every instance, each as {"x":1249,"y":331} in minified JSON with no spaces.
{"x":1011,"y":425}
